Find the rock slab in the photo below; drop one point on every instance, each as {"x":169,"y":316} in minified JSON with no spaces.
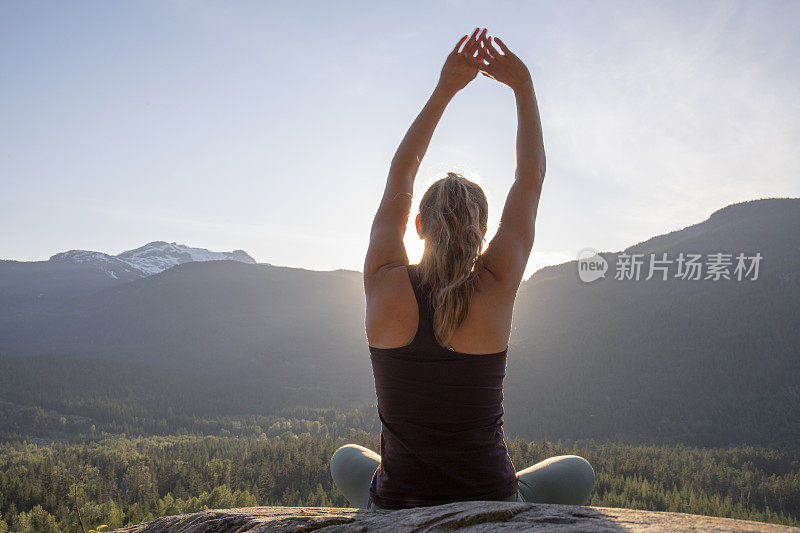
{"x":462,"y":516}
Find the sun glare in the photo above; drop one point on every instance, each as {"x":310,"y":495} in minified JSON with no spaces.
{"x":414,"y":245}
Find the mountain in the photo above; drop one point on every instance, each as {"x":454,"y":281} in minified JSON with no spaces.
{"x":149,"y":259}
{"x":676,"y":360}
{"x":695,"y":361}
{"x":27,"y":287}
{"x":282,"y":326}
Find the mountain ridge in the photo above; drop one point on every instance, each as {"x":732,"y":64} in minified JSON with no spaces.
{"x":152,"y":258}
{"x":673,"y":360}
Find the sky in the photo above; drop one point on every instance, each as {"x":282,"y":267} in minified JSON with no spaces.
{"x":269,"y":126}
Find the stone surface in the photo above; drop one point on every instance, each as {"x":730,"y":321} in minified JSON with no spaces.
{"x":462,"y":516}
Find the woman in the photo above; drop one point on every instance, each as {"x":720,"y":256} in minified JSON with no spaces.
{"x":438,"y":331}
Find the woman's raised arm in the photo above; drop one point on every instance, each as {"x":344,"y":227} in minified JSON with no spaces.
{"x":386,"y":237}
{"x":507,"y":254}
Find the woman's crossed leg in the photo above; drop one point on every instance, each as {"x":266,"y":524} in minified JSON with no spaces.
{"x":352,"y":468}
{"x":565,"y":479}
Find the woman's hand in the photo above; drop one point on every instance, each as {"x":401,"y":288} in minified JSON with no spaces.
{"x":506,"y":68}
{"x":461,"y":67}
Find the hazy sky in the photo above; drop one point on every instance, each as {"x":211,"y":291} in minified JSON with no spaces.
{"x":269,"y":126}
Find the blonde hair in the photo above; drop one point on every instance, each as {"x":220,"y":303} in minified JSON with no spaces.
{"x":453,"y":217}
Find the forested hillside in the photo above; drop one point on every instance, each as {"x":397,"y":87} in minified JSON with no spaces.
{"x":130,"y":480}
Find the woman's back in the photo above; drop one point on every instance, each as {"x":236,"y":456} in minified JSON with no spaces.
{"x":441,"y":418}
{"x":392,"y":314}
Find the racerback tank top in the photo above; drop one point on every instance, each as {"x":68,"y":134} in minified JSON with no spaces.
{"x":441,"y":416}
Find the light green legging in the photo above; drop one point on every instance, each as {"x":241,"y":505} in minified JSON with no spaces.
{"x":566,"y":479}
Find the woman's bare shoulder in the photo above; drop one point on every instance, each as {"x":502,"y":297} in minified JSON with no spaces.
{"x":489,"y":287}
{"x":388,"y":281}
{"x":391,"y":317}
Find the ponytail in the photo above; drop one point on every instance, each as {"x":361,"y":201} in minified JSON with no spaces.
{"x":453,"y":219}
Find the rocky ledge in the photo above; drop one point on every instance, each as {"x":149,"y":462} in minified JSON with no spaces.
{"x":462,"y":516}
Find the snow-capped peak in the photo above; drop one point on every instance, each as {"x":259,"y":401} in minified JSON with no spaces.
{"x":157,"y":256}
{"x":151,"y":258}
{"x":81,"y":256}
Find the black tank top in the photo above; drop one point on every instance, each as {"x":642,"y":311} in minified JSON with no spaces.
{"x":441,"y":418}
